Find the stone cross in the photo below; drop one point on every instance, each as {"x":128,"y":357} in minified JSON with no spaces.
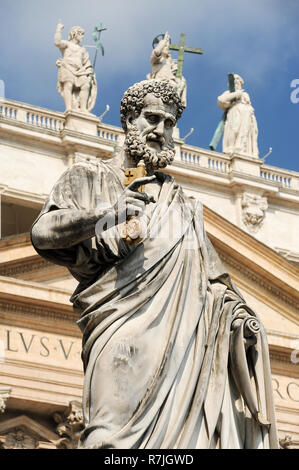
{"x":182,"y":48}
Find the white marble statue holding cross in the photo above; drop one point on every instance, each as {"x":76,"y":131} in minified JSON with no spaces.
{"x":164,"y":67}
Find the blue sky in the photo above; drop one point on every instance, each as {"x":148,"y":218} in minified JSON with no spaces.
{"x":257,"y":39}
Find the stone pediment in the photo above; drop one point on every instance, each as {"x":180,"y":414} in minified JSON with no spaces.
{"x":23,"y":432}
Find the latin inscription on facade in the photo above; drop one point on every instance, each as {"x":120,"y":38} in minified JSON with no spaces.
{"x":286,"y":390}
{"x":34,"y":346}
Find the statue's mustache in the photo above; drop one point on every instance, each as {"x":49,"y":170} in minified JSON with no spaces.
{"x":135,"y":145}
{"x":156,"y":138}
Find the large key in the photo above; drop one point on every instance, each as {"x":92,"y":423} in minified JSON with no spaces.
{"x":130,"y":230}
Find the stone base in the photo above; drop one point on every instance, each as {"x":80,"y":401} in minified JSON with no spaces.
{"x":85,"y":123}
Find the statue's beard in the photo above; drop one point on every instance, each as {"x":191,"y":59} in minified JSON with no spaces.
{"x":138,"y":150}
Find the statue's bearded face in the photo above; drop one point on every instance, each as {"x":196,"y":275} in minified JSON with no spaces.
{"x":149,"y":136}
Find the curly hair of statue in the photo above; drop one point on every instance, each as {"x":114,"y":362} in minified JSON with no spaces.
{"x":133,"y":98}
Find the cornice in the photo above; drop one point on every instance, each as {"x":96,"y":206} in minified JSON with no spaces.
{"x":15,"y":240}
{"x":253,"y":252}
{"x":258,"y":279}
{"x":33,"y":293}
{"x":282,"y":354}
{"x":35,"y":269}
{"x":38,"y":311}
{"x":67,"y":372}
{"x":197,"y":176}
{"x":19,"y":268}
{"x":39,"y":318}
{"x":10,"y":125}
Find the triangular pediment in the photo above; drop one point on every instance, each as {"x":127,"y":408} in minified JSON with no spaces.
{"x":24,"y":432}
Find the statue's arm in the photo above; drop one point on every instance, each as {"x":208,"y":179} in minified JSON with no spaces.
{"x":157,"y":52}
{"x":58,"y":41}
{"x":226,"y":99}
{"x":63,"y":228}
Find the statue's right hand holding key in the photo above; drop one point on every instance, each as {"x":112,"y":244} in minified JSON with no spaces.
{"x":132,"y":202}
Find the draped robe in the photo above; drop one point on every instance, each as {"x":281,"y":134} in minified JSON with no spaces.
{"x":240,"y":129}
{"x":163,"y":364}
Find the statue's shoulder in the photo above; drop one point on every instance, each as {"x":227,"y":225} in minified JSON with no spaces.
{"x":83,"y":170}
{"x":85,"y":166}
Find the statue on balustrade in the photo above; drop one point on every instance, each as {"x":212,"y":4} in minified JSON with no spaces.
{"x":240,"y":127}
{"x":165,"y":68}
{"x":173,"y":356}
{"x":76,"y":79}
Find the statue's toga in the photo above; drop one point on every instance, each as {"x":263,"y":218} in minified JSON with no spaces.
{"x":173,"y":356}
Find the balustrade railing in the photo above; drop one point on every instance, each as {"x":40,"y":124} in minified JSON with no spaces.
{"x":32,"y":115}
{"x":277,"y":177}
{"x":107,"y":134}
{"x":218,"y":163}
{"x":190,"y":157}
{"x":188,"y":154}
{"x":44,"y":121}
{"x":8,"y":111}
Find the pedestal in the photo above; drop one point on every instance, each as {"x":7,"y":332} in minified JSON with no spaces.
{"x":86,"y":123}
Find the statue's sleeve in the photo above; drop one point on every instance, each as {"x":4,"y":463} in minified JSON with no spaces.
{"x":75,"y":189}
{"x":224,"y":100}
{"x":155,"y":58}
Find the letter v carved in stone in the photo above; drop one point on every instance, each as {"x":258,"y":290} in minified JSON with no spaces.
{"x":66,"y":353}
{"x":27,"y":347}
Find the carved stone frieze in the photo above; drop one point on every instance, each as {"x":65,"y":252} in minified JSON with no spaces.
{"x":17,"y":269}
{"x":23,"y":432}
{"x":253,"y":210}
{"x":18,"y":439}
